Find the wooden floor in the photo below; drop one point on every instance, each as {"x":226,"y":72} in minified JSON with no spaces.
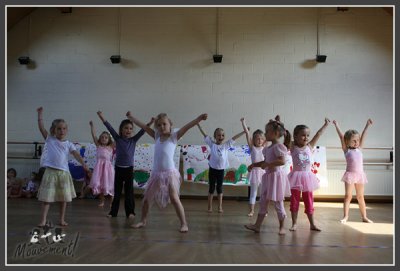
{"x":92,"y":238}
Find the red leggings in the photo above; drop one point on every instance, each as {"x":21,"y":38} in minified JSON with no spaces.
{"x":308,"y":200}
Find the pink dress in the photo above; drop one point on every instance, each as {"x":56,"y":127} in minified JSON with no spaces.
{"x":301,"y":178}
{"x":102,"y":181}
{"x":354,"y":170}
{"x":256,"y":173}
{"x":275,"y":183}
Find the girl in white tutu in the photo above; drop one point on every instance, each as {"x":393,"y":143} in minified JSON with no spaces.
{"x":102,"y":180}
{"x":56,"y":185}
{"x":275,"y":183}
{"x":354,"y":176}
{"x":256,"y":146}
{"x":302,"y":181}
{"x":164,"y":182}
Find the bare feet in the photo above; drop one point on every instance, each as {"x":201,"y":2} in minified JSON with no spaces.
{"x":367,"y":220}
{"x":252,"y":228}
{"x":314,"y":228}
{"x":63,"y":223}
{"x":138,"y":225}
{"x":293,"y":228}
{"x":101,"y":204}
{"x":344,"y":220}
{"x":282,"y":231}
{"x":250,"y":214}
{"x":184,"y":229}
{"x":209,"y":210}
{"x":220,"y":210}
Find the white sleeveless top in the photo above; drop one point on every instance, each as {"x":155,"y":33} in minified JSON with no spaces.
{"x":164,"y":152}
{"x":256,"y":154}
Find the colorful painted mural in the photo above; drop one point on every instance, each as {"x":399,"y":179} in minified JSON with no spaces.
{"x":195,"y":164}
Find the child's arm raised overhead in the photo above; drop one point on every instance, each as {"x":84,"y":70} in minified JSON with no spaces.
{"x":95,"y":140}
{"x":108,"y":125}
{"x":146,"y":128}
{"x":189,"y":125}
{"x":201,"y":130}
{"x":364,"y":133}
{"x":340,"y":134}
{"x":100,"y":114}
{"x":42,"y":130}
{"x":314,"y":140}
{"x":246,"y":131}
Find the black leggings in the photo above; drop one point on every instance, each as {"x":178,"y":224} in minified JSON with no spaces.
{"x":123,"y":179}
{"x":215,"y":176}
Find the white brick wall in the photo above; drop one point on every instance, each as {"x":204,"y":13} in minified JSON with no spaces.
{"x":268,"y":68}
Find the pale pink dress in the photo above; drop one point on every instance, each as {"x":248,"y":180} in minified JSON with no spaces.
{"x":275,"y":183}
{"x":301,"y":177}
{"x":255,"y":175}
{"x":354,"y":170}
{"x":102,"y":181}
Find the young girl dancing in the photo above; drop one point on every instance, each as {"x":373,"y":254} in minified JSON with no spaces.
{"x":163,"y":184}
{"x":256,"y":146}
{"x":275,"y":183}
{"x":56,"y":182}
{"x":102,"y":180}
{"x":302,"y":181}
{"x":354,"y":176}
{"x":218,"y":162}
{"x":125,"y":149}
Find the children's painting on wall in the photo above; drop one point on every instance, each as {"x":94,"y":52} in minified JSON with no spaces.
{"x":195,"y":164}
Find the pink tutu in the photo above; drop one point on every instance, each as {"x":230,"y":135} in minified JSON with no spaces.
{"x":255,"y":175}
{"x":303,"y":180}
{"x":354,"y":177}
{"x":158,"y":185}
{"x":275,"y":185}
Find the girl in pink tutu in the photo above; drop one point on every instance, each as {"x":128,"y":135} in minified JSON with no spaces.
{"x":302,"y":181}
{"x":102,"y":181}
{"x":164,"y":182}
{"x":256,"y":146}
{"x":275,"y":183}
{"x":354,"y":176}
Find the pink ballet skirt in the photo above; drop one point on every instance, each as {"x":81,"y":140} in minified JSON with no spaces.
{"x":303,"y":180}
{"x":102,"y":181}
{"x":255,"y":175}
{"x":354,"y":177}
{"x":158,"y":185}
{"x":275,"y":185}
{"x":354,"y":170}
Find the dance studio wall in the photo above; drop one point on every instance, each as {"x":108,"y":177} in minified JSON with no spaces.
{"x":268,"y":68}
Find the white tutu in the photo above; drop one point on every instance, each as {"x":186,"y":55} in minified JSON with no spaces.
{"x":255,"y":175}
